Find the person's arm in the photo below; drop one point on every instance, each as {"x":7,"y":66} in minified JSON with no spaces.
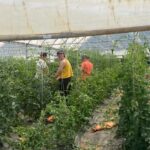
{"x":48,"y":62}
{"x":83,"y":68}
{"x":60,"y":69}
{"x":43,"y":64}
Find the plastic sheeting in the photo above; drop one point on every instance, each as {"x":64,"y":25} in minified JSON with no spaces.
{"x":35,"y":19}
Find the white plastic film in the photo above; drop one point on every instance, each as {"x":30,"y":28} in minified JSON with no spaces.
{"x":21,"y":19}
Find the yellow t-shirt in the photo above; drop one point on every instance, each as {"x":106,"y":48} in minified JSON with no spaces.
{"x":67,"y":70}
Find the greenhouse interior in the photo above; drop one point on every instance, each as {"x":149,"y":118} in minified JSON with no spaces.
{"x":108,"y":110}
{"x":75,"y":75}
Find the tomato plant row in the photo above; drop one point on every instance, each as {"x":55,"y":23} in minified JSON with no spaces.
{"x":24,"y":97}
{"x":135,"y":108}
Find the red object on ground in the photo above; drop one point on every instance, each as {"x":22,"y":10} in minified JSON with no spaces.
{"x":50,"y":119}
{"x":97,"y":128}
{"x":107,"y":125}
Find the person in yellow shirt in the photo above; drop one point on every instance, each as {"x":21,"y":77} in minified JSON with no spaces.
{"x":64,"y":73}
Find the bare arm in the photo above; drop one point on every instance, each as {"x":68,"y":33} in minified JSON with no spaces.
{"x":60,"y":69}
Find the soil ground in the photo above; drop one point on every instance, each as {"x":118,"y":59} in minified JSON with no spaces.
{"x":104,"y":139}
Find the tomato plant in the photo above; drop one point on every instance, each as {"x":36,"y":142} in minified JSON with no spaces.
{"x":23,"y":97}
{"x":134,"y":109}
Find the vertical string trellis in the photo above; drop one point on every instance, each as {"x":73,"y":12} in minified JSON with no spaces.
{"x":42,"y":78}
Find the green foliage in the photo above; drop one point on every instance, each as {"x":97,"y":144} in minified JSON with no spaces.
{"x":20,"y":93}
{"x":145,"y":117}
{"x":22,"y":96}
{"x":100,"y":61}
{"x":71,"y":113}
{"x":134,"y":109}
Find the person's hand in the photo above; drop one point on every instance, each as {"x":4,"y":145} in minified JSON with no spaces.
{"x":48,"y":63}
{"x":57,"y":78}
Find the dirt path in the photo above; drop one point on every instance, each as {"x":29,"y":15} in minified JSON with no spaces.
{"x":104,"y":139}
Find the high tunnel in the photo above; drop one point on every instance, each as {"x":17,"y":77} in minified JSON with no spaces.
{"x":46,"y":19}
